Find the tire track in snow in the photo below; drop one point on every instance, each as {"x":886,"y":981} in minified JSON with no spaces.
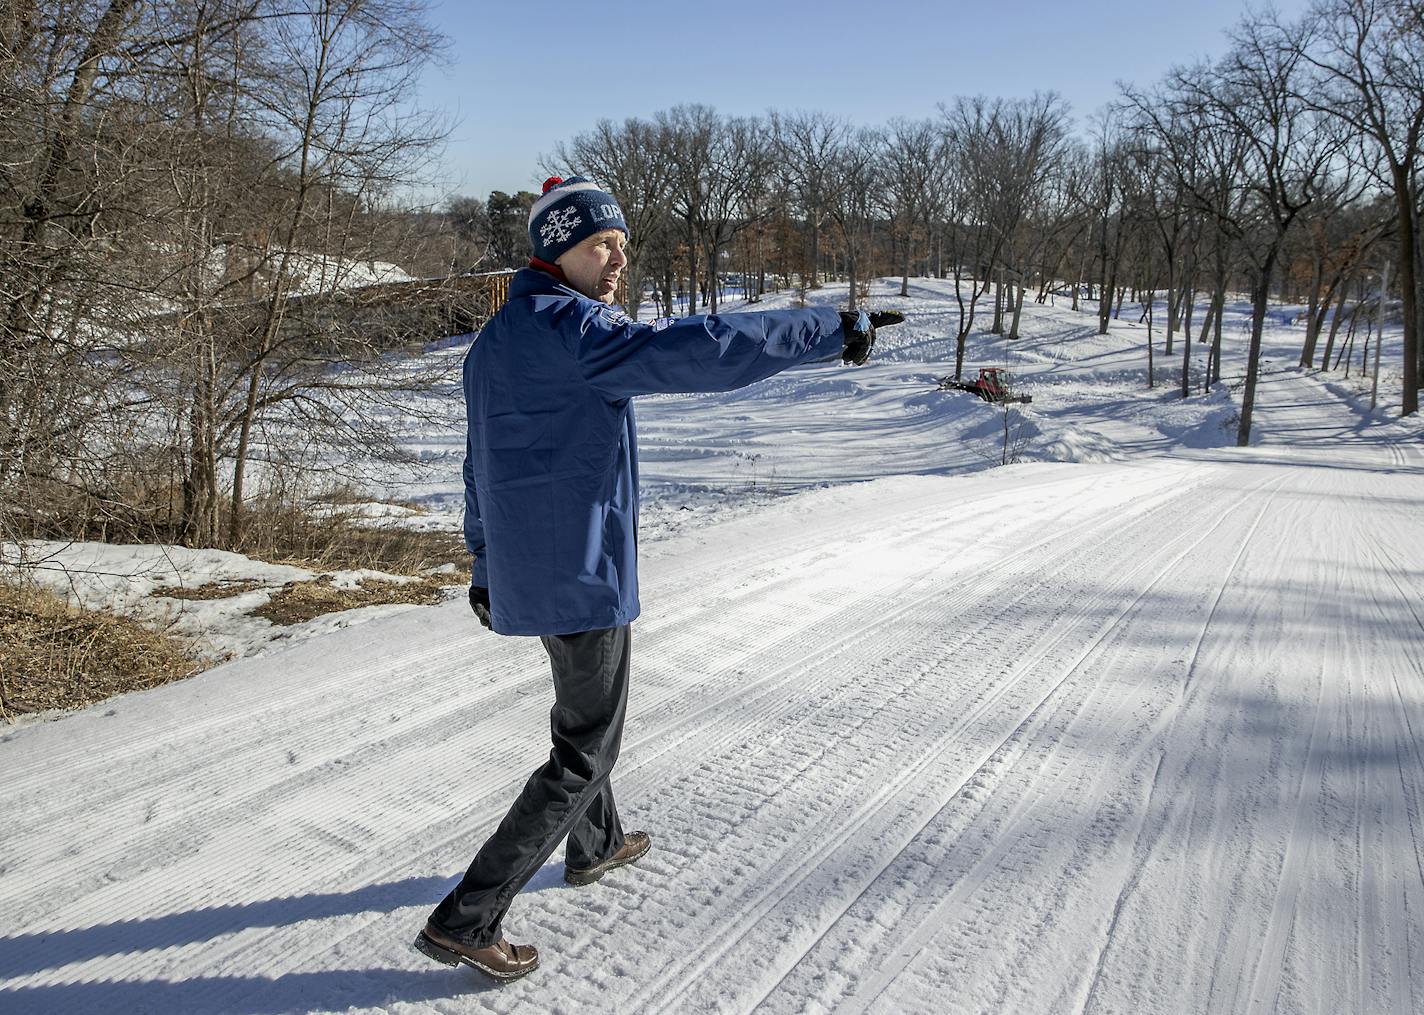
{"x":1158,"y":794}
{"x":1015,"y":826}
{"x":1005,"y":579}
{"x":1253,"y":934}
{"x":1270,"y":958}
{"x":1349,"y":735}
{"x":812,"y":856}
{"x":1407,"y":759}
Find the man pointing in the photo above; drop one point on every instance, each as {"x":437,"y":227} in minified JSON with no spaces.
{"x":551,"y":519}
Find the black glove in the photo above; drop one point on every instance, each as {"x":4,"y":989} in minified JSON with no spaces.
{"x":859,"y":331}
{"x":479,"y":602}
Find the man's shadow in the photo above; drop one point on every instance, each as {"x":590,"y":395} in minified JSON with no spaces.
{"x":336,"y":989}
{"x":27,"y":954}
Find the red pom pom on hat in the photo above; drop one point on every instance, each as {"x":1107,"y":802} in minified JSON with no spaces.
{"x":551,"y":182}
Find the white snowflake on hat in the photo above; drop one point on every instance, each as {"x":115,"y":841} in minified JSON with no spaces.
{"x":560,"y":225}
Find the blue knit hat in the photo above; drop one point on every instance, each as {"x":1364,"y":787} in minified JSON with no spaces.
{"x":569,"y":212}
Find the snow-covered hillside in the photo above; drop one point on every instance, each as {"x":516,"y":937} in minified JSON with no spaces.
{"x":1135,"y":725}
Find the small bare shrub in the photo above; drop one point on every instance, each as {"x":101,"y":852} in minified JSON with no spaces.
{"x":54,"y":655}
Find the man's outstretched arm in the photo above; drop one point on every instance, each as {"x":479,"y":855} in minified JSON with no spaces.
{"x":703,"y":353}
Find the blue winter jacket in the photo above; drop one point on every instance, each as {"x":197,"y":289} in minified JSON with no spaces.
{"x":551,"y":464}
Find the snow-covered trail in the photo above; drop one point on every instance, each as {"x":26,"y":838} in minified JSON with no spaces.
{"x":1125,"y":737}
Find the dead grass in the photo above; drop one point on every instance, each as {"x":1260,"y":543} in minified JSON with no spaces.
{"x":56,"y":656}
{"x":213,"y":590}
{"x":296,"y":602}
{"x":335,"y":541}
{"x":395,"y":551}
{"x":53,"y":655}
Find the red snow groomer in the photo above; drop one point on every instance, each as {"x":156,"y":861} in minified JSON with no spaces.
{"x":994,"y":385}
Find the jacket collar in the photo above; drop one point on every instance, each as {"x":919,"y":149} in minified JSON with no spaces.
{"x":552,"y":269}
{"x":535,"y":282}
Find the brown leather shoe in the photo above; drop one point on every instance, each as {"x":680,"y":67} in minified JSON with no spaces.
{"x":635,"y":845}
{"x":501,"y":960}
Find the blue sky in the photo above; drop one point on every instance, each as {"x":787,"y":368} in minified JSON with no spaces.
{"x":521,"y":77}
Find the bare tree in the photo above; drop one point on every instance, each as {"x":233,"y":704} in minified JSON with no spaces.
{"x":974,"y":244}
{"x":1337,"y":236}
{"x":912,"y":163}
{"x":689,"y":134}
{"x":854,"y":198}
{"x":1290,"y":152}
{"x":54,"y":201}
{"x":1028,"y":144}
{"x":1102,"y":199}
{"x":808,"y":145}
{"x":338,"y":73}
{"x":1369,"y":55}
{"x":737,"y":175}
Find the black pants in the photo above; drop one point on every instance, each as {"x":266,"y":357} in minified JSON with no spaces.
{"x":569,"y":796}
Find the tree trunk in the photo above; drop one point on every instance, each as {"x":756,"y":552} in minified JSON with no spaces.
{"x":1313,"y":313}
{"x":1215,"y":377}
{"x":966,"y":322}
{"x":634,"y":282}
{"x":815,"y":250}
{"x":761,"y":266}
{"x":1105,"y":300}
{"x":1018,"y":311}
{"x":1405,"y":263}
{"x":997,"y":328}
{"x":691,"y":275}
{"x":1379,"y":334}
{"x":1172,"y":297}
{"x":1347,"y":347}
{"x":197,"y":524}
{"x":1334,"y":324}
{"x":239,"y":468}
{"x":1253,"y":353}
{"x":905,"y":271}
{"x":1151,"y":365}
{"x":712,"y":285}
{"x":1207,"y":321}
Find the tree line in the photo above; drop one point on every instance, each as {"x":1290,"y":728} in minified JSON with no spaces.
{"x":1291,"y":165}
{"x":202,"y":206}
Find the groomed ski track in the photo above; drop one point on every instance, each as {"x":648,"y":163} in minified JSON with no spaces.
{"x":1137,"y":737}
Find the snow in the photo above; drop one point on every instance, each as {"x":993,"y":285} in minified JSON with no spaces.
{"x":133,"y":580}
{"x":1131,"y":725}
{"x":309,"y":273}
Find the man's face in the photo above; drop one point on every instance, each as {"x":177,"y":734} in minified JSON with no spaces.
{"x":594,"y":265}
